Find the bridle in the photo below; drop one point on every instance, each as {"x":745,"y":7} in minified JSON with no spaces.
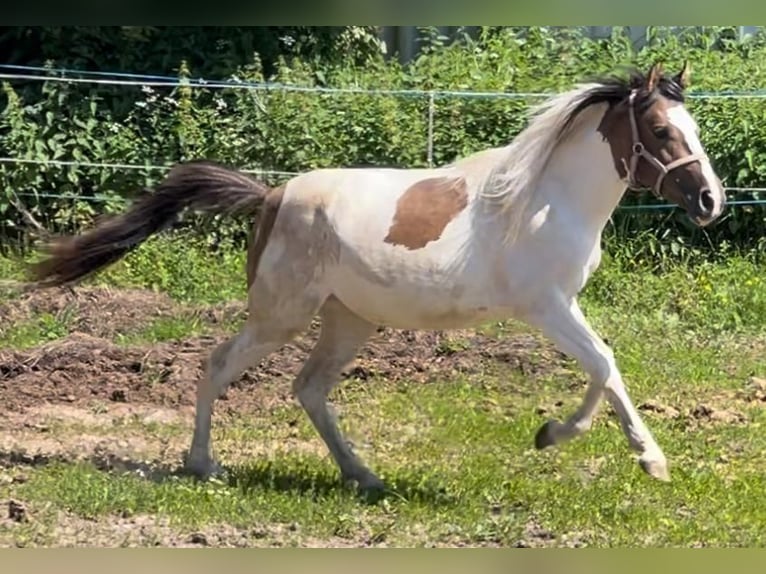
{"x":639,"y":151}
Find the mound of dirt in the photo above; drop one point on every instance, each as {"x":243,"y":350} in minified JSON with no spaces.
{"x":85,"y":365}
{"x":82,"y":367}
{"x":98,"y":311}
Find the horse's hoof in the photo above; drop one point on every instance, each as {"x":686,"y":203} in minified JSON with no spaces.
{"x":203,"y":469}
{"x":656,"y":467}
{"x":545,"y":436}
{"x":367,"y":483}
{"x":372,"y":484}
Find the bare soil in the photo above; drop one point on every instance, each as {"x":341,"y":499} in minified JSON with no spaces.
{"x":87,"y":366}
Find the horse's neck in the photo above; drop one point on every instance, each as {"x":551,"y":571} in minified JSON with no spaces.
{"x":580,"y":179}
{"x":579,"y":184}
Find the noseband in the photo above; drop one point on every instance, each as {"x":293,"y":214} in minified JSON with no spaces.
{"x":639,"y":151}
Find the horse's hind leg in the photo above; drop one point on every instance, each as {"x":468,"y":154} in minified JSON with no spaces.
{"x":342,"y":334}
{"x":261,"y":335}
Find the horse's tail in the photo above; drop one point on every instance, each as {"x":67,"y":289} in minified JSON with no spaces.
{"x":200,"y":184}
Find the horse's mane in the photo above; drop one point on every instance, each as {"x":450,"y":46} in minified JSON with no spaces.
{"x":512,"y":179}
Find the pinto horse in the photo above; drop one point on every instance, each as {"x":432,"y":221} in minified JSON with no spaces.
{"x":508,"y":232}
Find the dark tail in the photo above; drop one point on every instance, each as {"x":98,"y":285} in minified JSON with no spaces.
{"x":200,"y":184}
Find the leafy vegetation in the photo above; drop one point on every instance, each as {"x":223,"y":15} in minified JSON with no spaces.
{"x":288,"y":130}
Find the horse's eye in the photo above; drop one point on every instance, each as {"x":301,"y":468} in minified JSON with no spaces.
{"x":661,"y":132}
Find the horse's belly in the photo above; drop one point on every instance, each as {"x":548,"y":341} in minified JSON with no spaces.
{"x":418,"y":302}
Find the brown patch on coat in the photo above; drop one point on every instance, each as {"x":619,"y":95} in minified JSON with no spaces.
{"x":262,"y":227}
{"x":619,"y":139}
{"x":425,"y":209}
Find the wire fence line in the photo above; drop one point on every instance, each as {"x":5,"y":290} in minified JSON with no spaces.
{"x":128,"y":166}
{"x":266,"y":172}
{"x":265,"y":86}
{"x":254,"y":171}
{"x":65,"y":75}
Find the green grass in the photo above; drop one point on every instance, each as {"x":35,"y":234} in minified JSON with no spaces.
{"x":165,"y":329}
{"x":457,"y":455}
{"x":41,"y":329}
{"x":466,"y":474}
{"x":188,"y":274}
{"x":181,"y":266}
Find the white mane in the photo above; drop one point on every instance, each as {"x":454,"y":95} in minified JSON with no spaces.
{"x":511,"y":179}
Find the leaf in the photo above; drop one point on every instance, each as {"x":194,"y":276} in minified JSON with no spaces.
{"x":749,"y":157}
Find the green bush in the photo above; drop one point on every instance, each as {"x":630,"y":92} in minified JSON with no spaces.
{"x":285,"y":130}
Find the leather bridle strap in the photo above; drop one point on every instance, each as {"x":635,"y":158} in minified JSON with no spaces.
{"x":639,"y":151}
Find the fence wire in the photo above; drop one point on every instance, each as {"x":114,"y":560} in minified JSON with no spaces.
{"x":66,"y":75}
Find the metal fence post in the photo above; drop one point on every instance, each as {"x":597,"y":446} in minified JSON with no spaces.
{"x":430,"y":143}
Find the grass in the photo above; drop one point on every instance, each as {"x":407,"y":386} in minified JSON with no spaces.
{"x":466,"y":475}
{"x":42,"y":328}
{"x":457,"y":455}
{"x":174,"y":328}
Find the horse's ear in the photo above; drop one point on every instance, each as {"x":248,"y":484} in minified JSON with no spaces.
{"x":653,"y":77}
{"x":682,"y":77}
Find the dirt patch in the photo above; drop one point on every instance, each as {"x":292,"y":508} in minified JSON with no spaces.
{"x":85,"y":366}
{"x":719,"y":408}
{"x":659,"y":409}
{"x":116,"y":438}
{"x":754,"y":391}
{"x":82,"y":368}
{"x":124,"y":452}
{"x":535,"y":536}
{"x":43,"y":416}
{"x":423,"y":355}
{"x":98,"y":311}
{"x":68,"y":530}
{"x":707,"y":414}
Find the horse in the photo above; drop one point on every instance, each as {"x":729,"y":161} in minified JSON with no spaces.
{"x":510,"y":232}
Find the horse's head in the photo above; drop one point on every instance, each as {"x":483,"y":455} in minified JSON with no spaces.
{"x":655,"y":144}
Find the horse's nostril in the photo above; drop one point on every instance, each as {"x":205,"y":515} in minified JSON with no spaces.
{"x":707,"y":203}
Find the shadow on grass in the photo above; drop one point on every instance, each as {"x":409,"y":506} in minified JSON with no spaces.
{"x":300,"y":476}
{"x":152,"y":471}
{"x":312,"y":479}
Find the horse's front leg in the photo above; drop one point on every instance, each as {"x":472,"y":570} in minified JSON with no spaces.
{"x":562,"y":321}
